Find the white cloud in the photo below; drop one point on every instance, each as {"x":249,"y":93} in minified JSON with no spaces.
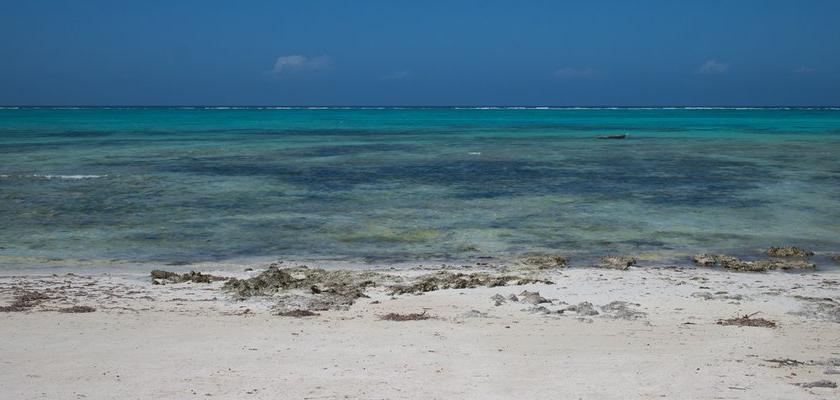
{"x":298,"y":62}
{"x":570,"y":72}
{"x":397,"y":75}
{"x":713,"y":67}
{"x":804,"y":70}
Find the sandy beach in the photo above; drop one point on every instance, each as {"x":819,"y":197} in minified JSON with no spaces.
{"x":592,"y":333}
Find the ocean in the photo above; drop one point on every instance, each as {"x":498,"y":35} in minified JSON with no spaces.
{"x":211,"y":184}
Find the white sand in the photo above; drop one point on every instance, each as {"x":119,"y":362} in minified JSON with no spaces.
{"x":192,"y":341}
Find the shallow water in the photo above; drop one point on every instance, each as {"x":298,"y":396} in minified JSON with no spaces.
{"x":170,"y":184}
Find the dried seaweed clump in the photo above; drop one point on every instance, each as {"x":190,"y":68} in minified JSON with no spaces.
{"x":405,"y":317}
{"x":737,"y":264}
{"x":160,"y":277}
{"x":77,"y":309}
{"x":822,"y":383}
{"x":24,"y":301}
{"x":789,"y":251}
{"x":298,"y":313}
{"x":543,"y":261}
{"x":448,"y":280}
{"x":747,"y":320}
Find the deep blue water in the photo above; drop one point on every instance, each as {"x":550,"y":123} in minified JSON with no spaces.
{"x":176,"y":184}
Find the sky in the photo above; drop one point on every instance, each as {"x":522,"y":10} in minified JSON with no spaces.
{"x":433,"y":53}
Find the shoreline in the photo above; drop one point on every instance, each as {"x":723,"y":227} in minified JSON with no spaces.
{"x":591,"y":333}
{"x":24,"y":265}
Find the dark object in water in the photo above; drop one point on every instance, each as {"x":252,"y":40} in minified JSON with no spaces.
{"x":623,"y":136}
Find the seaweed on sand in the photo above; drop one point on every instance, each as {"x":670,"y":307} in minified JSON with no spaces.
{"x":160,"y":277}
{"x":405,"y":317}
{"x":24,"y":301}
{"x":77,"y":309}
{"x":822,"y":383}
{"x":449,"y":280}
{"x":748,"y":320}
{"x":298,"y":313}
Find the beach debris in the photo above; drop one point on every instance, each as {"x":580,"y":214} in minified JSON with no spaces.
{"x":449,"y":280}
{"x":737,"y":264}
{"x":831,"y":362}
{"x":474,"y":314}
{"x":498,"y":299}
{"x":298,"y":313}
{"x":24,"y":301}
{"x":835,"y":258}
{"x":789,"y":251}
{"x":405,"y":317}
{"x":622,"y":310}
{"x":825,"y":308}
{"x":785,"y":362}
{"x":717,"y":296}
{"x":623,"y":136}
{"x":832,"y":366}
{"x":582,"y":309}
{"x":747,"y":320}
{"x":310,"y":301}
{"x":160,"y":277}
{"x":532,"y":297}
{"x":616,"y":262}
{"x":544,"y":261}
{"x":77,"y":309}
{"x":823,"y":383}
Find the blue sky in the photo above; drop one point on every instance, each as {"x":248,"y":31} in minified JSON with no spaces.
{"x":419,"y":52}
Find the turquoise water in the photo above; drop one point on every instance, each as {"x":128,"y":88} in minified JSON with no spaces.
{"x":177,"y":184}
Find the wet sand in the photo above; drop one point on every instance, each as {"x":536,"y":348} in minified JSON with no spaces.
{"x":655,"y":335}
